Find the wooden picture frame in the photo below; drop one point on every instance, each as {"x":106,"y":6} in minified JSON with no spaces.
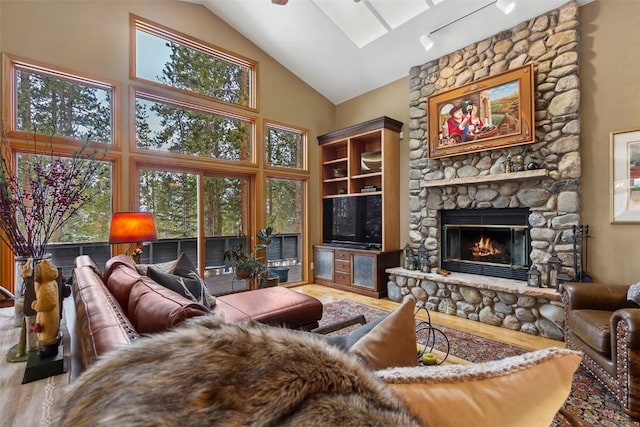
{"x":493,"y":112}
{"x":625,"y":177}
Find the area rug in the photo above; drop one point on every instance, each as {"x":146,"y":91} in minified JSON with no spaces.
{"x":589,"y":400}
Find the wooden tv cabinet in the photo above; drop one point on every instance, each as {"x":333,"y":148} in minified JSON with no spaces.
{"x":355,"y":162}
{"x":355,"y":270}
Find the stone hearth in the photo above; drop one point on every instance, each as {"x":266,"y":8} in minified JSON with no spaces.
{"x":494,"y":301}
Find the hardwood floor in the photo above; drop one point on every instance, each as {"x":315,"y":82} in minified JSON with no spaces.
{"x":515,"y":338}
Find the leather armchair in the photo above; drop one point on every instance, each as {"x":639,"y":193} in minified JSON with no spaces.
{"x":601,"y":323}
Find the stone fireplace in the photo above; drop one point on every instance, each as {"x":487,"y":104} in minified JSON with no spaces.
{"x":548,"y":190}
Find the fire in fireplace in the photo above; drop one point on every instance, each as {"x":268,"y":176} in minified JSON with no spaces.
{"x":490,"y":242}
{"x":484,"y":250}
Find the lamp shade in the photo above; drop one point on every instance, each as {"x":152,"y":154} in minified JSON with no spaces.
{"x":128,"y":227}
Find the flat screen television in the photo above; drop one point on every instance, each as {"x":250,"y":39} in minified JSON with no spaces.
{"x":354,"y":221}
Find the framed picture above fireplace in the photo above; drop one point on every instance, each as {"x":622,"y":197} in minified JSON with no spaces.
{"x":490,"y":113}
{"x":625,"y":176}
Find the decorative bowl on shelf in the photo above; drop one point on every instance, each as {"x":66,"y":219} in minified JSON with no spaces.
{"x":339,"y":172}
{"x":371,"y":161}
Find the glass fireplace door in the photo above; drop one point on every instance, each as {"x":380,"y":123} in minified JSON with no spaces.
{"x":487,"y":244}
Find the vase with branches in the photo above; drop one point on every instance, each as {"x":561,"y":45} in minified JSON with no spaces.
{"x":39,"y":194}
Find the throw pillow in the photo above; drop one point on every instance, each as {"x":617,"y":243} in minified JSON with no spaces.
{"x":186,"y":268}
{"x":393,"y":341}
{"x":190,"y":288}
{"x":525,"y":390}
{"x":166,"y":267}
{"x":633,"y":294}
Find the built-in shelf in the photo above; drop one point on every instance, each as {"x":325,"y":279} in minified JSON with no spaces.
{"x":511,"y":176}
{"x":357,"y":267}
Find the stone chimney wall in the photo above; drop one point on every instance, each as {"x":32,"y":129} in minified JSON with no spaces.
{"x":550,"y":41}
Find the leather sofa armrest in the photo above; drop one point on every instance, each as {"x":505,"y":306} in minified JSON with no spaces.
{"x":631,"y":319}
{"x":596,"y":296}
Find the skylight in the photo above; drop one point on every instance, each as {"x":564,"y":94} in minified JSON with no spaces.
{"x":367,"y":20}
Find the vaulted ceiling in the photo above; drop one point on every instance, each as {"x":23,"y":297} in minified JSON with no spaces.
{"x":344,"y":48}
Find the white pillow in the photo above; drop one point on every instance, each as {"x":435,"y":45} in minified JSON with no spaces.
{"x":523,"y":391}
{"x":163,"y":267}
{"x":633,"y":294}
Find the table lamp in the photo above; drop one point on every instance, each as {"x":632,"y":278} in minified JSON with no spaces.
{"x":134,"y":228}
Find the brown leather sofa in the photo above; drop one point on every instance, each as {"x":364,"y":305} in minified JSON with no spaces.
{"x":600,"y":322}
{"x":116,"y":307}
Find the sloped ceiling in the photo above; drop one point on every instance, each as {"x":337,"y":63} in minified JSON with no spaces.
{"x":344,"y":48}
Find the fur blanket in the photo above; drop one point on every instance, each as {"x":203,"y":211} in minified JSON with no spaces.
{"x":214,"y":373}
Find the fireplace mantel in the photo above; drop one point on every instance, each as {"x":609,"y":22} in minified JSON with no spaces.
{"x":511,"y":176}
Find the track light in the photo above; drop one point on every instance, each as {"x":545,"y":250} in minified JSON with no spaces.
{"x":505,"y":6}
{"x":426,"y":42}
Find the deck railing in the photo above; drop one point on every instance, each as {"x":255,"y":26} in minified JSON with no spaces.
{"x":284,"y":250}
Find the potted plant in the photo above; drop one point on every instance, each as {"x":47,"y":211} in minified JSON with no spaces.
{"x":246,"y":265}
{"x":253,"y":265}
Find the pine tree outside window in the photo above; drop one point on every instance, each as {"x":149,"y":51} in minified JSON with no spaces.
{"x":184,"y":128}
{"x":285,"y":146}
{"x":57,"y":104}
{"x":171,"y":59}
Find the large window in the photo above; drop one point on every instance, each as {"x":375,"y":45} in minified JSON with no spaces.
{"x":175,"y":60}
{"x":181,"y":201}
{"x":55,"y":103}
{"x":50,"y":114}
{"x":178,"y":127}
{"x":285,"y":147}
{"x":285,"y":209}
{"x":204,"y":208}
{"x":194,"y":153}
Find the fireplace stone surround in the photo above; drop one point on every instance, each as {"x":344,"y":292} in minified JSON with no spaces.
{"x":479,"y":180}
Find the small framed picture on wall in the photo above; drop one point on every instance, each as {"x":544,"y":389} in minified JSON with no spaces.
{"x":625,"y":176}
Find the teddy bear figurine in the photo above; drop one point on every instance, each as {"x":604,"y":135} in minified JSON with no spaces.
{"x":47,"y":307}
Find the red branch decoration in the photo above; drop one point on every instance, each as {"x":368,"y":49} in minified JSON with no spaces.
{"x":44,"y":194}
